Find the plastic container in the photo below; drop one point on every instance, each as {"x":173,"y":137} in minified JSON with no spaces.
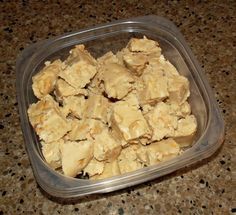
{"x":98,"y":40}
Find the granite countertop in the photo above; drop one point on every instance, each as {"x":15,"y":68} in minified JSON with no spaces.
{"x":205,"y":188}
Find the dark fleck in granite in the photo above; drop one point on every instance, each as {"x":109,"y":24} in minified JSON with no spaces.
{"x":206,"y":188}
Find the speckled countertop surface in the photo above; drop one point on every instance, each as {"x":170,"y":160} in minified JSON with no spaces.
{"x":206,"y":188}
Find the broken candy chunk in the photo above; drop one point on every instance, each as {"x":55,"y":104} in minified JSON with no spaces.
{"x":106,"y":147}
{"x":162,"y":121}
{"x":144,"y":45}
{"x":132,"y":100}
{"x":79,"y":53}
{"x":180,"y":110}
{"x":79,"y":130}
{"x":63,"y":89}
{"x":36,"y":109}
{"x":97,"y":107}
{"x":154,"y":86}
{"x":146,"y":108}
{"x":186,"y":130}
{"x":128,"y":120}
{"x":117,"y":80}
{"x":128,"y":160}
{"x":96,"y":127}
{"x":135,"y":62}
{"x":158,"y":151}
{"x":75,"y":156}
{"x":45,"y":80}
{"x":163,"y":150}
{"x":47,"y":120}
{"x":74,"y":105}
{"x":94,"y":167}
{"x":51,"y":153}
{"x":164,"y":65}
{"x":117,"y":135}
{"x":110,"y":169}
{"x":109,"y":57}
{"x":120,"y":55}
{"x":78,"y":74}
{"x":178,"y":88}
{"x":85,"y":129}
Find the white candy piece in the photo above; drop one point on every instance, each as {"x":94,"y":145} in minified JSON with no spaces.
{"x":128,"y":120}
{"x":45,"y":80}
{"x":63,"y":89}
{"x":51,"y":153}
{"x":128,"y":160}
{"x":94,"y":167}
{"x":106,"y":148}
{"x":158,"y":151}
{"x":110,"y":169}
{"x":162,"y":121}
{"x":48,"y":120}
{"x":155,"y":85}
{"x":117,"y":80}
{"x":75,"y":156}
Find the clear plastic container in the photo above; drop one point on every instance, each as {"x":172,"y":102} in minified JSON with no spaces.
{"x":98,"y":40}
